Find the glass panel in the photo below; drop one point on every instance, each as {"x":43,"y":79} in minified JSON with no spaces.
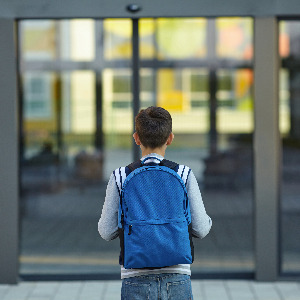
{"x":180,"y":38}
{"x":38,"y":39}
{"x":117,"y":39}
{"x":284,"y":39}
{"x":235,"y":102}
{"x":37,"y":92}
{"x":147,"y":95}
{"x":225,"y":175}
{"x":59,"y":140}
{"x":289,"y":109}
{"x":58,"y":107}
{"x":147,"y":38}
{"x":188,"y":103}
{"x":48,"y":39}
{"x":83,"y":102}
{"x":188,"y":106}
{"x":77,"y":39}
{"x":228,"y":177}
{"x":117,"y":117}
{"x":284,"y":100}
{"x":40,"y":111}
{"x":234,"y":38}
{"x":64,"y":174}
{"x":60,"y":165}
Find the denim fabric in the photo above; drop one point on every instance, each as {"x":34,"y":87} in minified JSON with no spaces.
{"x":157,"y":287}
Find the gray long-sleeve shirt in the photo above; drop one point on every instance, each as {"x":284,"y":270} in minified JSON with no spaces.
{"x":108,"y":223}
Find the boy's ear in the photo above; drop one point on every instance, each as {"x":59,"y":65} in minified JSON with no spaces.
{"x":136,"y":139}
{"x":170,"y":139}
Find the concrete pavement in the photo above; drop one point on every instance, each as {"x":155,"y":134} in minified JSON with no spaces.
{"x":110,"y":290}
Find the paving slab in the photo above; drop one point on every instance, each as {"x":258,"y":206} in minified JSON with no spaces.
{"x":111,"y":290}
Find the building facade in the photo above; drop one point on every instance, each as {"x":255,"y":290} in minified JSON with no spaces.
{"x":72,"y":78}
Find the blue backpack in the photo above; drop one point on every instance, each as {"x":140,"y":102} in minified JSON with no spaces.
{"x":154,"y":220}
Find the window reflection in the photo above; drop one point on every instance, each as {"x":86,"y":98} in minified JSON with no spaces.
{"x":81,"y":42}
{"x":82,"y":102}
{"x":212,"y":111}
{"x":38,"y":88}
{"x":48,"y":39}
{"x":162,"y":38}
{"x":289,"y":110}
{"x":38,"y":40}
{"x":147,"y":38}
{"x":48,"y":118}
{"x":147,"y":88}
{"x":234,"y":38}
{"x":181,"y":38}
{"x":235,"y":101}
{"x":117,"y":105}
{"x":117,"y":39}
{"x":210,"y":101}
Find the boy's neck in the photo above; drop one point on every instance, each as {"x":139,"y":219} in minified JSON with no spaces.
{"x":160,"y":151}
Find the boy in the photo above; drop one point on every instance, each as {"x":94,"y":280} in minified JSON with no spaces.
{"x":153,"y":134}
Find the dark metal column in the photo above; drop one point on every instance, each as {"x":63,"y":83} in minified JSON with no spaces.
{"x":58,"y":96}
{"x":135,"y":79}
{"x":213,"y":105}
{"x":267,"y":148}
{"x":99,"y":135}
{"x":9,"y":155}
{"x":58,"y":103}
{"x":99,"y":138}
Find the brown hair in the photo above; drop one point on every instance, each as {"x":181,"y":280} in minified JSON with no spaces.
{"x":153,"y":126}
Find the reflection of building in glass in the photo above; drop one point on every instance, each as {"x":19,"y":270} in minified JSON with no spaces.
{"x":184,"y":89}
{"x":77,"y":100}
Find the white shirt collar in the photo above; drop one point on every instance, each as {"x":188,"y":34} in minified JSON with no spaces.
{"x":160,"y":158}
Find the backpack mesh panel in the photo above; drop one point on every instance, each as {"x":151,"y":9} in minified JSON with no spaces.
{"x":152,"y":197}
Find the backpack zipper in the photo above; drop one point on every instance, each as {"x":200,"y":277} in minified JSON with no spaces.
{"x":130,"y":228}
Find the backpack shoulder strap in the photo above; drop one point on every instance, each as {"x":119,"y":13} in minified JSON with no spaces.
{"x":182,"y":170}
{"x":121,"y":174}
{"x":170,"y":164}
{"x":134,"y":165}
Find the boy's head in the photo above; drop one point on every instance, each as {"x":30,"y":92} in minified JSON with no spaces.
{"x":153,"y":126}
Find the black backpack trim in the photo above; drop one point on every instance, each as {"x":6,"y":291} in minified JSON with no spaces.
{"x":135,"y":165}
{"x":170,"y":164}
{"x":166,"y":163}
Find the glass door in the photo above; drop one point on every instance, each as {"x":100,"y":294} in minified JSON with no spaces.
{"x":289,"y":95}
{"x":76,"y":129}
{"x":201,"y":71}
{"x":79,"y":93}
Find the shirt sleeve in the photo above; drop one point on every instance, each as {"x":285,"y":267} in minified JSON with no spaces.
{"x":108,"y":223}
{"x":201,"y":222}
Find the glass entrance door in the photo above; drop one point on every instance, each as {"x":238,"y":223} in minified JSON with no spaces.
{"x":201,"y":71}
{"x":78,"y":91}
{"x":76,"y":129}
{"x":289,"y":39}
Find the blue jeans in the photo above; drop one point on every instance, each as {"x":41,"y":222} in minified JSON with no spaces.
{"x":157,"y":287}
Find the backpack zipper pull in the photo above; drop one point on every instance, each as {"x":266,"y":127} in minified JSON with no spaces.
{"x":130,"y":228}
